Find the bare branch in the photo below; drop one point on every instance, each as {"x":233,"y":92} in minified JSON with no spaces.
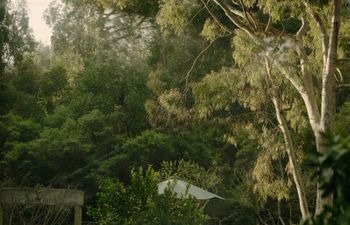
{"x":197,"y":13}
{"x":195,"y":61}
{"x":268,"y":25}
{"x":216,"y":19}
{"x":343,"y":85}
{"x":234,"y":19}
{"x":301,"y":32}
{"x":248,"y":17}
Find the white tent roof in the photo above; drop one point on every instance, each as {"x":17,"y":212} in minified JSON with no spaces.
{"x":183,"y":189}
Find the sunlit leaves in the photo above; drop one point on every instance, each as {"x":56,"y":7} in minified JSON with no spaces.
{"x":139,"y":203}
{"x":215,"y":92}
{"x":268,"y":170}
{"x":211,"y":31}
{"x":173,"y":102}
{"x":279,"y":9}
{"x":155,"y":82}
{"x":175,"y":15}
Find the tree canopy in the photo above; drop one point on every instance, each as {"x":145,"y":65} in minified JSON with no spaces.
{"x":243,"y":98}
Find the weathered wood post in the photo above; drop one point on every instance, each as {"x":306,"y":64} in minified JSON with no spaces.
{"x":1,"y":216}
{"x":78,"y":214}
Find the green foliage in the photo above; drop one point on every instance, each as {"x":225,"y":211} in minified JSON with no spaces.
{"x":100,"y":29}
{"x":207,"y":179}
{"x":58,"y":151}
{"x":140,"y":203}
{"x":4,"y":33}
{"x":85,"y":38}
{"x":15,"y":35}
{"x":342,"y":120}
{"x":211,"y":30}
{"x":112,"y":88}
{"x":30,"y":92}
{"x":332,"y":168}
{"x":26,"y":78}
{"x":56,"y":119}
{"x":140,"y":7}
{"x":177,"y":63}
{"x":333,"y":172}
{"x":14,"y":129}
{"x":53,"y":81}
{"x":152,"y":147}
{"x":146,"y":8}
{"x":175,"y":14}
{"x":211,"y":93}
{"x":94,"y":107}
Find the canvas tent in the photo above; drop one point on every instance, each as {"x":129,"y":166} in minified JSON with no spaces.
{"x":184,"y":189}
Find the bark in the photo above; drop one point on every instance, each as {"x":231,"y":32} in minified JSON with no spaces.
{"x":283,"y":125}
{"x":328,"y":93}
{"x":307,"y":91}
{"x":328,"y":80}
{"x":320,"y":120}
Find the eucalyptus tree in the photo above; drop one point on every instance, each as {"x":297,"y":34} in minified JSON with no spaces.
{"x":15,"y":35}
{"x":87,"y":30}
{"x":3,"y":33}
{"x":274,"y":41}
{"x":298,"y":40}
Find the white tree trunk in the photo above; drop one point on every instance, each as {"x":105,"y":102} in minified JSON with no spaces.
{"x":320,"y":120}
{"x":328,"y":94}
{"x":283,"y":125}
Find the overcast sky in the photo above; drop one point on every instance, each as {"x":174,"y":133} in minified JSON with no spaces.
{"x":36,"y":9}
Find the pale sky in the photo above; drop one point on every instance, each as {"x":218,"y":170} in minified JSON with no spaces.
{"x":41,"y":30}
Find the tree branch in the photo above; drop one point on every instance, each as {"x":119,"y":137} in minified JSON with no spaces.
{"x":322,"y":29}
{"x":301,"y":32}
{"x":328,"y":81}
{"x":216,"y":19}
{"x":195,"y":61}
{"x":248,"y":17}
{"x":234,"y":19}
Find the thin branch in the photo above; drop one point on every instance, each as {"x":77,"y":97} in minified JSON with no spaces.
{"x":268,"y":25}
{"x":302,"y":30}
{"x":195,"y":62}
{"x":216,"y":19}
{"x":343,"y":85}
{"x":197,"y":13}
{"x":234,"y":18}
{"x":253,"y":24}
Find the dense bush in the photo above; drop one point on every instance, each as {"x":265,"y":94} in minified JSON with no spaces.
{"x":139,"y":203}
{"x":333,"y":171}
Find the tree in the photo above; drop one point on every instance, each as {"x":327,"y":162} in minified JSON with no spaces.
{"x":116,"y":88}
{"x":319,"y":120}
{"x":15,"y":42}
{"x":97,"y":30}
{"x":270,"y":26}
{"x":15,"y":38}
